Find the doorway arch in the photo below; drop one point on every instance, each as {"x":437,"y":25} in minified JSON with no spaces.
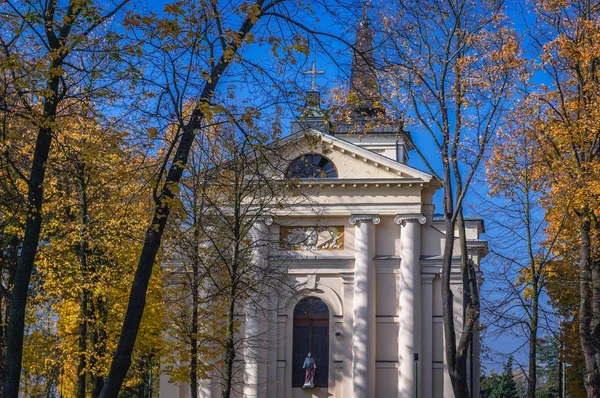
{"x":311,"y":334}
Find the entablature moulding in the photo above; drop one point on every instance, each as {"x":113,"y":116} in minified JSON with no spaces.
{"x":363,"y":183}
{"x":340,"y":209}
{"x":400,"y":211}
{"x":346,"y":269}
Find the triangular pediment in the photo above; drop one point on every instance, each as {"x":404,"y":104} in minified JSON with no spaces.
{"x":351,"y":161}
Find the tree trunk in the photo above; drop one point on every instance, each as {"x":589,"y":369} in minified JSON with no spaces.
{"x":10,"y":262}
{"x":586,"y":321}
{"x":470,"y":305}
{"x":595,"y":287}
{"x":457,"y":369}
{"x":194,"y":339}
{"x":81,"y":366}
{"x":137,"y":296}
{"x":229,"y":348}
{"x":83,"y":266}
{"x":533,"y":341}
{"x":560,"y":368}
{"x":196,"y":263}
{"x":16,"y":320}
{"x":97,"y":384}
{"x":98,"y":341}
{"x":35,"y":196}
{"x":456,"y":354}
{"x":2,"y":344}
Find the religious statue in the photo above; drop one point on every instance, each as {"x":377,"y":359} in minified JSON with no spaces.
{"x":310,"y":365}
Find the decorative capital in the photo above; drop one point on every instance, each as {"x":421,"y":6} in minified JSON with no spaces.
{"x":268,"y":220}
{"x":401,"y":218}
{"x":427,"y":279}
{"x":364,"y":218}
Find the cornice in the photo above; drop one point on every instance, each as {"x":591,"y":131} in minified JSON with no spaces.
{"x":364,"y":183}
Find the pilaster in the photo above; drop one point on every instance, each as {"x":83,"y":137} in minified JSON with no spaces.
{"x":347,"y":337}
{"x":256,"y":329}
{"x":427,"y":328}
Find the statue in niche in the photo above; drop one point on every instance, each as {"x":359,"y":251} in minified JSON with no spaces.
{"x":310,"y":365}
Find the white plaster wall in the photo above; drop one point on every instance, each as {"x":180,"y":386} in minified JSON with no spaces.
{"x":387,"y":295}
{"x":433,"y":240}
{"x":438,"y":340}
{"x":167,"y":389}
{"x":387,"y":342}
{"x":387,"y":384}
{"x":387,"y":237}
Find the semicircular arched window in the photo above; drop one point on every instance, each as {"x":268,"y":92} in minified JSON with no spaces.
{"x":312,"y":165}
{"x":311,"y":334}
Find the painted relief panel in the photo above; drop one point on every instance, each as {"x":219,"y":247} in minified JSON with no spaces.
{"x":312,"y":238}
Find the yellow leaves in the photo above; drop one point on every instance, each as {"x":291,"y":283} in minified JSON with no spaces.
{"x":250,"y":115}
{"x":250,"y":38}
{"x":252,"y":11}
{"x":152,"y":133}
{"x":228,"y":54}
{"x":300,"y":45}
{"x":205,"y":75}
{"x":275,"y":42}
{"x":174,"y":8}
{"x":114,"y":173}
{"x":206,"y":110}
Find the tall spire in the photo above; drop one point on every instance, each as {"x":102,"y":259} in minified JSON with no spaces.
{"x":364,"y":88}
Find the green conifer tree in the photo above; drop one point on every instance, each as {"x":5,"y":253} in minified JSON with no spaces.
{"x":507,"y":388}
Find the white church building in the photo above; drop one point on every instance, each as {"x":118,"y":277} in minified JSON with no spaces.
{"x":370,"y":306}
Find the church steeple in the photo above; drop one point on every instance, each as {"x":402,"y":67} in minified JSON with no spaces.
{"x":364,"y":88}
{"x":369,"y":127}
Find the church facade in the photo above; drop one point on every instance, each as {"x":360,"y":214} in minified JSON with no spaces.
{"x":367,"y":265}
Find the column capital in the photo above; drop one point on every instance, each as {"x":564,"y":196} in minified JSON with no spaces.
{"x":267,"y":220}
{"x":427,"y":279}
{"x":402,"y":218}
{"x":364,"y":218}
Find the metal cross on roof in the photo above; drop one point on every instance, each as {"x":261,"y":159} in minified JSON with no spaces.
{"x":314,"y":72}
{"x":365,"y":15}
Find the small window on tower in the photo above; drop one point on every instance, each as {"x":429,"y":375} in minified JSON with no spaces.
{"x":312,"y":166}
